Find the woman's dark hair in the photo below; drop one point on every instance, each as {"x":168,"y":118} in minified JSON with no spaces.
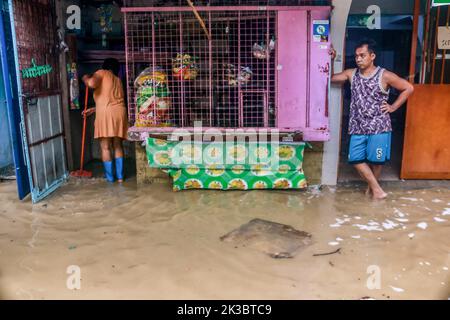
{"x":370,"y":43}
{"x":112,"y":65}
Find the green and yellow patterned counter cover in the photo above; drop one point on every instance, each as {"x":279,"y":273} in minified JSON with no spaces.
{"x":229,"y":166}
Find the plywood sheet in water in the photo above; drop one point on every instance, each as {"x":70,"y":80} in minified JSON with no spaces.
{"x":274,"y":239}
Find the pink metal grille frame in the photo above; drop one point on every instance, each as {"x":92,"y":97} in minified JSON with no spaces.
{"x":154,"y":36}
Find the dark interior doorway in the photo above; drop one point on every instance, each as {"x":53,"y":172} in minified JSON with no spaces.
{"x":394,"y":45}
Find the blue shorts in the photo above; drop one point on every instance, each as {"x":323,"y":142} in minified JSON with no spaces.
{"x":372,"y":148}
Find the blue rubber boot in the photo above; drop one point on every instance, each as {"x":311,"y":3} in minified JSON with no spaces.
{"x":119,"y":169}
{"x":108,"y":166}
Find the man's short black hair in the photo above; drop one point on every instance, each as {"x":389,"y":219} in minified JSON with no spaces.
{"x":370,"y":43}
{"x":112,"y":65}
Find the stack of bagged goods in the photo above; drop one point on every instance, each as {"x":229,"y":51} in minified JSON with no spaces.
{"x":153,"y":98}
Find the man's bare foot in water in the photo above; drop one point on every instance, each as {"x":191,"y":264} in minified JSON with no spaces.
{"x":379,"y":195}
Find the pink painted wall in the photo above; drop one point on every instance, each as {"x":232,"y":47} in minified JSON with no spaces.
{"x":319,"y":68}
{"x":302,"y":78}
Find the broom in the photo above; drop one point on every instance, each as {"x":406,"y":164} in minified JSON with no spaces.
{"x":83,"y":173}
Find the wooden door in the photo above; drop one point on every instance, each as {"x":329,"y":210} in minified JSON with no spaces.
{"x":426,"y":153}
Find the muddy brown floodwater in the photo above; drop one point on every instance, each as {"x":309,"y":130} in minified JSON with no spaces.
{"x":150,"y":243}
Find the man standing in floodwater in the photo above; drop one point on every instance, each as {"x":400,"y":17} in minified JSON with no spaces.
{"x":370,"y":126}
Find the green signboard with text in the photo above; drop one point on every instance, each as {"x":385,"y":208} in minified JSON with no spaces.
{"x":441,"y":3}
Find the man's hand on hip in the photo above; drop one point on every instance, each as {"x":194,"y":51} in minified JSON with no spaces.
{"x":387,"y":108}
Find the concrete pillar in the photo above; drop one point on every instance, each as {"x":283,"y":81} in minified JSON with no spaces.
{"x":332,"y":148}
{"x":60,"y":21}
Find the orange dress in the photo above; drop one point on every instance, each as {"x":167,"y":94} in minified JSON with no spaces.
{"x":110,"y":114}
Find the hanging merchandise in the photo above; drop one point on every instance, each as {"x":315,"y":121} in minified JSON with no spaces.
{"x":234,"y":77}
{"x":62,"y":45}
{"x":230,"y":72}
{"x":36,"y":71}
{"x":245,"y":75}
{"x":152,"y":98}
{"x":262,"y":51}
{"x":74,"y":87}
{"x":185,"y":67}
{"x":105,"y":13}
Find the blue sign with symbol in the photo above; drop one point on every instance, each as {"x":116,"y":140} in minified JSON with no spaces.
{"x":321,"y":30}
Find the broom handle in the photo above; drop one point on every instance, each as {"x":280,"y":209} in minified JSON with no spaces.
{"x":200,"y":20}
{"x":83,"y":140}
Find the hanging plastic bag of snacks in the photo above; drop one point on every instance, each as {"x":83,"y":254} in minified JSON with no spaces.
{"x":153,"y":99}
{"x":231,"y":74}
{"x":234,"y":77}
{"x":185,"y":67}
{"x":106,"y":21}
{"x":263,"y":51}
{"x":74,"y":87}
{"x":245,"y":75}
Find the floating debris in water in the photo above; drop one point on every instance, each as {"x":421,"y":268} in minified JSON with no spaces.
{"x":399,"y":213}
{"x":372,"y":226}
{"x":339,"y":222}
{"x":277,"y":240}
{"x":376,"y":226}
{"x":389,"y":225}
{"x":446,"y":211}
{"x":410,"y":199}
{"x":437,"y":219}
{"x":328,"y":254}
{"x":422,"y":225}
{"x":397,"y":289}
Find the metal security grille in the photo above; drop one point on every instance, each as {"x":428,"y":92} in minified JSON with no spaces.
{"x":46,"y":141}
{"x":182,"y":3}
{"x":35,"y":33}
{"x":222,"y":75}
{"x":41,"y":111}
{"x":435,"y":68}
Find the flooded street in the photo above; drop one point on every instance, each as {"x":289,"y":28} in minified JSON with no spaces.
{"x":151,"y":243}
